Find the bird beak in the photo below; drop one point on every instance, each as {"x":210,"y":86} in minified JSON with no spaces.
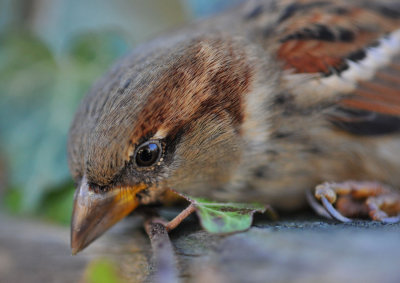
{"x":94,"y":213}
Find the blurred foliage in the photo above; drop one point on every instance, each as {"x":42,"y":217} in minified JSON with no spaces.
{"x":39,"y":95}
{"x":13,"y":200}
{"x":56,"y":205}
{"x":202,"y":8}
{"x":102,"y":271}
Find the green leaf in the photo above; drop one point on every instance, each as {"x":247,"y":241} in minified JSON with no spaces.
{"x":224,"y":218}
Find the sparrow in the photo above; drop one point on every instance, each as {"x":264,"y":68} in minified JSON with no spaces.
{"x":261,"y":103}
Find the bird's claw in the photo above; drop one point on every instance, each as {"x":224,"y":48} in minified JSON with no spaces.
{"x":356,"y":199}
{"x":333,"y":212}
{"x":385,"y":207}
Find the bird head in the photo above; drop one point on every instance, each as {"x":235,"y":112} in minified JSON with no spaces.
{"x":169,"y":117}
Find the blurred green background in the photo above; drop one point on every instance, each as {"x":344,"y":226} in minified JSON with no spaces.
{"x":51,"y":51}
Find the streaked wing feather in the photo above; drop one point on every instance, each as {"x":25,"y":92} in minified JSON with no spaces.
{"x":350,"y":54}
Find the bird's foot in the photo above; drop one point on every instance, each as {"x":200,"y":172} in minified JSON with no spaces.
{"x":353,"y":199}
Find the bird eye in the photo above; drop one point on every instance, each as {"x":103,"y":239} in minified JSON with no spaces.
{"x":148,"y":153}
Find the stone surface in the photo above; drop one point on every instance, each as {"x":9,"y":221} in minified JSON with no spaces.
{"x":31,"y":251}
{"x":294,"y":249}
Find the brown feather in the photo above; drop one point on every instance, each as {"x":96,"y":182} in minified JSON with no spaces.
{"x":381,"y":94}
{"x":334,"y":35}
{"x":210,"y":77}
{"x":322,"y":39}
